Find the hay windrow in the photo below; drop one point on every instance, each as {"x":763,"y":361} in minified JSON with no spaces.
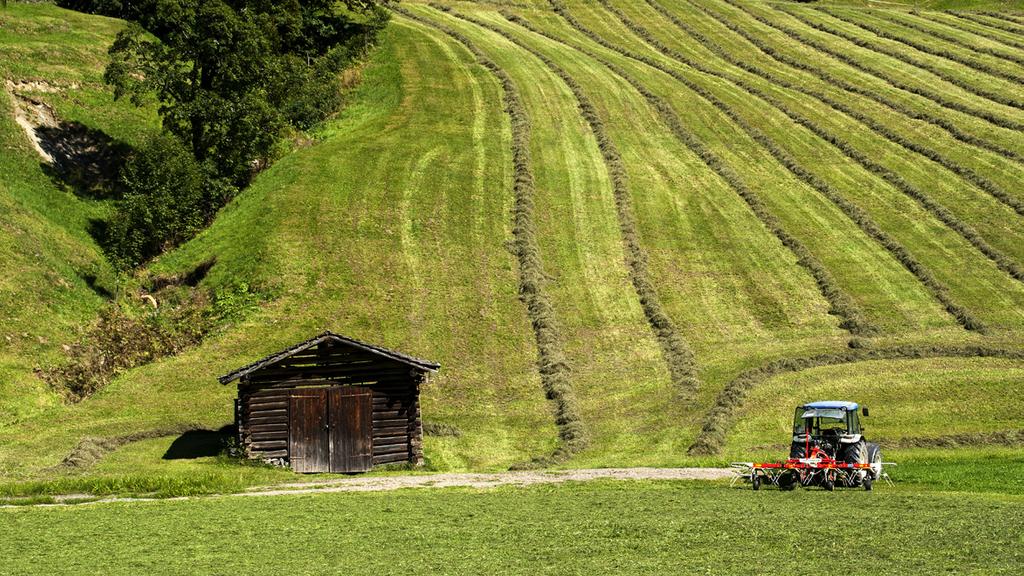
{"x":996,"y":38}
{"x":849,"y":60}
{"x":553,"y":367}
{"x":852,"y":211}
{"x":960,"y":43}
{"x":720,"y":418}
{"x":950,"y":127}
{"x":840,"y":303}
{"x":957,"y":81}
{"x":881,"y":128}
{"x":676,"y":351}
{"x":979,"y":19}
{"x":951,"y":55}
{"x":91,"y":450}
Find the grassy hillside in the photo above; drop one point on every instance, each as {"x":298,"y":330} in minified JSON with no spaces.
{"x":50,"y":265}
{"x":825,"y":198}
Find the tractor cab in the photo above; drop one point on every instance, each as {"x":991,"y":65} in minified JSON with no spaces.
{"x":830,"y":426}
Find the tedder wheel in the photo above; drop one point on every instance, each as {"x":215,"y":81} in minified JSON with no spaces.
{"x":756,"y":482}
{"x":787,"y":482}
{"x":867,"y":483}
{"x":830,"y":484}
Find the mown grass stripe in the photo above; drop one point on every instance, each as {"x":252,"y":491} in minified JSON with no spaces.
{"x":937,"y":18}
{"x":854,"y":212}
{"x":981,"y":19}
{"x":960,"y":43}
{"x":950,"y":127}
{"x":1005,"y":263}
{"x":554,"y":370}
{"x":720,"y":418}
{"x":880,"y":128}
{"x":849,"y":60}
{"x":966,"y":85}
{"x":951,"y":55}
{"x":677,"y":352}
{"x":1006,"y":16}
{"x":841,"y":305}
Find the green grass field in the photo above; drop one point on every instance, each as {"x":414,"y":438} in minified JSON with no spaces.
{"x":817,"y":201}
{"x":780,"y":172}
{"x":626,"y":527}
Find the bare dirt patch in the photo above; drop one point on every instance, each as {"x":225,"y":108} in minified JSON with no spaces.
{"x":84,"y":158}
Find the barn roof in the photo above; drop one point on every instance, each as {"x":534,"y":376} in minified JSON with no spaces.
{"x":415,"y":363}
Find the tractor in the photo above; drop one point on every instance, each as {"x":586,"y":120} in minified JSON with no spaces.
{"x":828,"y":450}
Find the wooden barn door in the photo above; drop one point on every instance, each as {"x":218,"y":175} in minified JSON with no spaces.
{"x":351,"y":418}
{"x":308,"y":443}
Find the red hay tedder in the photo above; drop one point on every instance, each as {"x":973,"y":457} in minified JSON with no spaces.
{"x":828,"y":450}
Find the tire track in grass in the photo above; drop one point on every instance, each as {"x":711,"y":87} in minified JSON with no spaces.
{"x":554,"y":371}
{"x":950,"y":127}
{"x":936,"y":17}
{"x":961,"y":83}
{"x":952,"y":56}
{"x":841,"y":305}
{"x":854,"y":212}
{"x":960,"y":43}
{"x":677,"y":352}
{"x":845,"y":58}
{"x":880,"y":128}
{"x":721,"y":417}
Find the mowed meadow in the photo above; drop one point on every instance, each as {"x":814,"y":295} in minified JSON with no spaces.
{"x":632,"y":232}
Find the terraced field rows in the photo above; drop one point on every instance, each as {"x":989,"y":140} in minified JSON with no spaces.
{"x":918,"y":184}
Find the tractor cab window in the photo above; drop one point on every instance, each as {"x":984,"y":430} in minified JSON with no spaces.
{"x":820,"y":420}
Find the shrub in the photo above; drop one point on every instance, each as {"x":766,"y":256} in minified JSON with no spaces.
{"x":166,"y":197}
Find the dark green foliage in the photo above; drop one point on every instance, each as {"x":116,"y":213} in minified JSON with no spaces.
{"x":844,"y":57}
{"x":554,"y":371}
{"x":719,"y":418}
{"x":833,"y":80}
{"x":113,"y":8}
{"x":229,"y":76}
{"x":854,"y":212}
{"x":967,"y":85}
{"x":167,"y":199}
{"x":678,"y":355}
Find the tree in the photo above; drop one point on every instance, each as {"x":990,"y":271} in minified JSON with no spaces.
{"x":163,"y":205}
{"x":214,"y":65}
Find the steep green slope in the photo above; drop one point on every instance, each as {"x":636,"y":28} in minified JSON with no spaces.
{"x":49,"y":263}
{"x":716,"y":189}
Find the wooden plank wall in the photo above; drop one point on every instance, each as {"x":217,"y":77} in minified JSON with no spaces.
{"x":397,"y":429}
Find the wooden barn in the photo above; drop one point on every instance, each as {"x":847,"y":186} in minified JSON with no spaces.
{"x":331,"y":404}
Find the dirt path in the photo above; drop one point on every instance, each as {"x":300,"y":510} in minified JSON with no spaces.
{"x":471,"y":480}
{"x":447,"y":480}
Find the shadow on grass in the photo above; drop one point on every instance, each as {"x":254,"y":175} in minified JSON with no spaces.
{"x":199,"y":444}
